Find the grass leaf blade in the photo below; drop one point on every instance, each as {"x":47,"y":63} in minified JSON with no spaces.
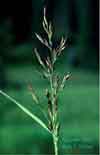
{"x":34,"y":117}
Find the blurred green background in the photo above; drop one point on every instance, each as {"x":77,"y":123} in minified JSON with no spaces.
{"x":78,"y":104}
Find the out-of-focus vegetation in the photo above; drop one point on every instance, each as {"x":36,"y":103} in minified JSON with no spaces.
{"x":79,"y":108}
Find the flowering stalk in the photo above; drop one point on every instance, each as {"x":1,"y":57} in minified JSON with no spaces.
{"x":56,"y":84}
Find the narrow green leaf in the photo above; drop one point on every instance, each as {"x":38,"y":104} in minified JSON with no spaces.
{"x":34,"y":117}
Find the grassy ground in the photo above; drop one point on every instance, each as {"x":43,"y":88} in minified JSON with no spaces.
{"x":78,"y":106}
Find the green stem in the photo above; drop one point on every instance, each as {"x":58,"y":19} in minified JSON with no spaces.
{"x":55,"y":131}
{"x":55,"y":141}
